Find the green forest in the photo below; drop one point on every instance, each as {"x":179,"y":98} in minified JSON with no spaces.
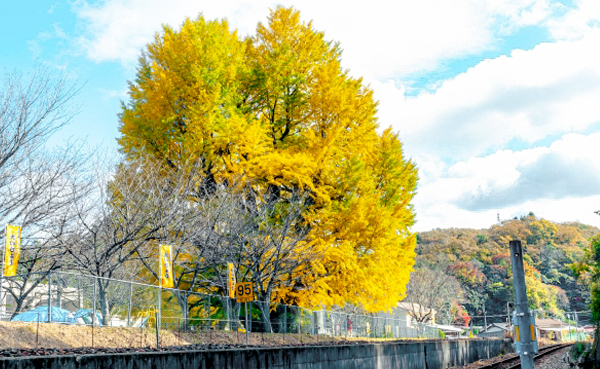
{"x":479,"y":260}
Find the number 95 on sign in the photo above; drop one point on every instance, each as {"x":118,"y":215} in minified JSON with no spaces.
{"x":244,"y":292}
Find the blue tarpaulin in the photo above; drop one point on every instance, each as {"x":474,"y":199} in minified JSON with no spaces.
{"x":86,"y":315}
{"x":41,"y":314}
{"x":58,"y":315}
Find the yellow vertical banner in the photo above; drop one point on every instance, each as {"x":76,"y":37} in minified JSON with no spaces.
{"x":166,"y":267}
{"x":12,"y":250}
{"x":231,"y":280}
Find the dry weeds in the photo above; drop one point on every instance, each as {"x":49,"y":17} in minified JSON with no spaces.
{"x":56,"y":335}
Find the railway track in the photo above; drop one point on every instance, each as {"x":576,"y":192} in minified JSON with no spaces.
{"x":515,"y":362}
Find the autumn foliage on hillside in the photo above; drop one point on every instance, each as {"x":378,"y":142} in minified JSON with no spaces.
{"x":480,"y":260}
{"x":274,"y":121}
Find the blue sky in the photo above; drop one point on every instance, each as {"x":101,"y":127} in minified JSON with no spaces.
{"x":498,"y":103}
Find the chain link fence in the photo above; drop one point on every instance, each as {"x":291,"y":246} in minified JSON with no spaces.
{"x":70,"y":299}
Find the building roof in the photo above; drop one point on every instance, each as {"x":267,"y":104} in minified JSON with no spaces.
{"x":446,"y":328}
{"x":496,"y":327}
{"x":549,"y":323}
{"x":414,"y":307}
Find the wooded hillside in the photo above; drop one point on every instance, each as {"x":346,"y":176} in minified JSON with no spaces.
{"x":480,"y":261}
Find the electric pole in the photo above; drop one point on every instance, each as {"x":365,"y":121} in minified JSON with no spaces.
{"x":524,"y":323}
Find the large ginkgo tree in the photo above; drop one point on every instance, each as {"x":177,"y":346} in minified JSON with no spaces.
{"x":277,"y":113}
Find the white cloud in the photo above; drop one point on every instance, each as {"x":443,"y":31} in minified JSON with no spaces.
{"x":516,"y":182}
{"x":444,"y":215}
{"x":576,"y":22}
{"x":121,"y":94}
{"x":451,"y":132}
{"x":381,"y":39}
{"x":527,"y":96}
{"x":51,"y":9}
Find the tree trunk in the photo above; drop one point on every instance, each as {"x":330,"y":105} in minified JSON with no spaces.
{"x":228,"y":315}
{"x":236,"y":316}
{"x":265,"y":312}
{"x":102,"y":287}
{"x":19,"y":305}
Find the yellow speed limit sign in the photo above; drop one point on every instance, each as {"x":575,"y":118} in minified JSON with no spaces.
{"x":244,"y":292}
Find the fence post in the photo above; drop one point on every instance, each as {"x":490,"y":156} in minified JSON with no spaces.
{"x":94,"y":302}
{"x":187,"y":311}
{"x":209,"y":315}
{"x":79,"y":293}
{"x":299,"y":320}
{"x":284,"y":325}
{"x":2,"y":307}
{"x":93,"y":318}
{"x":156,"y":317}
{"x":346,"y":326}
{"x":158,"y":307}
{"x":247,"y":326}
{"x":37,"y":331}
{"x":250,"y":317}
{"x":49,"y":297}
{"x":129,"y":306}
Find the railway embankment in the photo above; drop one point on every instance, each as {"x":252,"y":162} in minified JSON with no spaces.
{"x":388,"y":355}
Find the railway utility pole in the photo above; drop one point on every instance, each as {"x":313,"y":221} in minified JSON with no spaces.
{"x":524,"y":322}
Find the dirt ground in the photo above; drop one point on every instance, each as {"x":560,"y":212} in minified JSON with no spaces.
{"x":55,"y":335}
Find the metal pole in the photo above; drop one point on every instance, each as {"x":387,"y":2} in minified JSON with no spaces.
{"x":94,"y":302}
{"x":568,"y":325}
{"x":2,"y":304}
{"x":525,"y":338}
{"x":49,"y":297}
{"x":79,"y":299}
{"x":156,"y":317}
{"x":93,"y":310}
{"x":158,"y":306}
{"x":484,"y":316}
{"x":576,"y":326}
{"x":247,"y":326}
{"x":93,"y":317}
{"x":187,"y":311}
{"x":209,"y":311}
{"x":346,"y":326}
{"x":129,"y":306}
{"x":284,"y":325}
{"x":299,"y":320}
{"x":37,"y":331}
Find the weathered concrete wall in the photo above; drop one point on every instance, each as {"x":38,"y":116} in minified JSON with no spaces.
{"x":392,"y":355}
{"x":441,"y":354}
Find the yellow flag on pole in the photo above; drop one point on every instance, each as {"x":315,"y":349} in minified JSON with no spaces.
{"x":166,"y":267}
{"x":231,"y":280}
{"x":12,"y":250}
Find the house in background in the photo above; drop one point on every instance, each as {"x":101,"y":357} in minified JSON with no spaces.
{"x":496,"y":330}
{"x":556,"y":330}
{"x":450,"y":331}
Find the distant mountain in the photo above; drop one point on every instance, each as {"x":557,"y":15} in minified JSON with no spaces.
{"x":480,"y":260}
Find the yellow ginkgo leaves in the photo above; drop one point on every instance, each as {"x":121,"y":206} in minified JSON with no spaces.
{"x":279,"y":111}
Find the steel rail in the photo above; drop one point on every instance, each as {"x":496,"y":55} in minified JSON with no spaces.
{"x":543,"y":352}
{"x":550,"y":350}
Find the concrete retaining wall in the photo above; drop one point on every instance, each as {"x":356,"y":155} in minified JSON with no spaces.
{"x":392,"y":355}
